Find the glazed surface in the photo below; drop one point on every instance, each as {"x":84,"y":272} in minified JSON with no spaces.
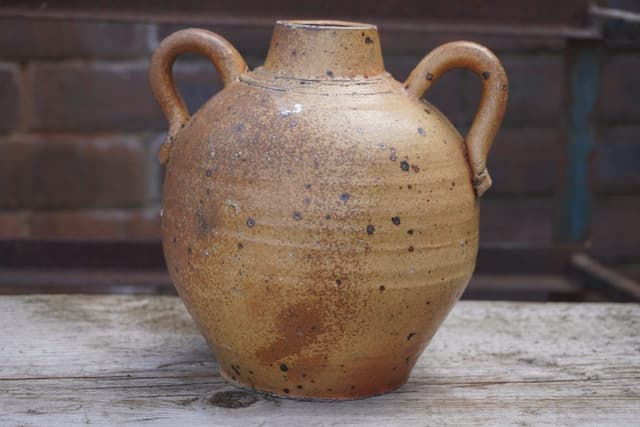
{"x":319,"y":231}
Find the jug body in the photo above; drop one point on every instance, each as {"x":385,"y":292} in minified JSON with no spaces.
{"x":319,"y":220}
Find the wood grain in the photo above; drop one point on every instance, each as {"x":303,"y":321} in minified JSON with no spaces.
{"x":114,"y":360}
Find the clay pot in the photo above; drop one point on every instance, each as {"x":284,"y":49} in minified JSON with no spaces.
{"x":319,"y":219}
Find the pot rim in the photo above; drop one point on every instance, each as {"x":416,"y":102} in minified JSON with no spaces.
{"x":321,"y":24}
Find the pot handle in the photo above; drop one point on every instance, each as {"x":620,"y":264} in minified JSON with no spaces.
{"x":228,"y":62}
{"x":495,"y":91}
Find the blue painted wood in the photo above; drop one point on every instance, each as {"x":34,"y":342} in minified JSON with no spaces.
{"x":575,"y":196}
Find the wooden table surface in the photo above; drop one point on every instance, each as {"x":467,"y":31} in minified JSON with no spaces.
{"x":114,"y":360}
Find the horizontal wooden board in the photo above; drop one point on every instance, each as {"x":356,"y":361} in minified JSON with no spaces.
{"x":113,"y":360}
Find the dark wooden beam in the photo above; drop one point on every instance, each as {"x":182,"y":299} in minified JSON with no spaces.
{"x":513,"y":17}
{"x":147,"y":255}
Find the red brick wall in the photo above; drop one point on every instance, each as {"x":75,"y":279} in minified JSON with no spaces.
{"x":79,"y":129}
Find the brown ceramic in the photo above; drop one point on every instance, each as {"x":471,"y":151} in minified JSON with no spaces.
{"x":319,"y":219}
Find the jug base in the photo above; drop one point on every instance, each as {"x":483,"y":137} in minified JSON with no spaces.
{"x":300,"y":395}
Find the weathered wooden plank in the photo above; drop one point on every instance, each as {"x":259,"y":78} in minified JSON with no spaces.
{"x":118,"y":360}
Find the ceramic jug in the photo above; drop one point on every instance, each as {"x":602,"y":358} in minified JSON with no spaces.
{"x":319,"y":218}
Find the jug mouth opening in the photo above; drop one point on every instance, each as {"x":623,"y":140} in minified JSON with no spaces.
{"x":326,"y":25}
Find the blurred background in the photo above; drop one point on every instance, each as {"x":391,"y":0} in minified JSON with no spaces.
{"x":80,"y":186}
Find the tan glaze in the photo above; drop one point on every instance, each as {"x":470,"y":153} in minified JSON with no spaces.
{"x":320,"y":220}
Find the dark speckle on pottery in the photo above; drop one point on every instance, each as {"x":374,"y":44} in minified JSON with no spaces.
{"x":395,"y":220}
{"x":404,"y":165}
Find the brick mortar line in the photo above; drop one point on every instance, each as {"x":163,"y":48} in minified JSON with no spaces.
{"x":139,"y":61}
{"x":143,"y":136}
{"x":96,"y":209}
{"x":87,"y":209}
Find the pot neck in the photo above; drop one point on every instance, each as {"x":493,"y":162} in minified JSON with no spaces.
{"x":324,"y":50}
